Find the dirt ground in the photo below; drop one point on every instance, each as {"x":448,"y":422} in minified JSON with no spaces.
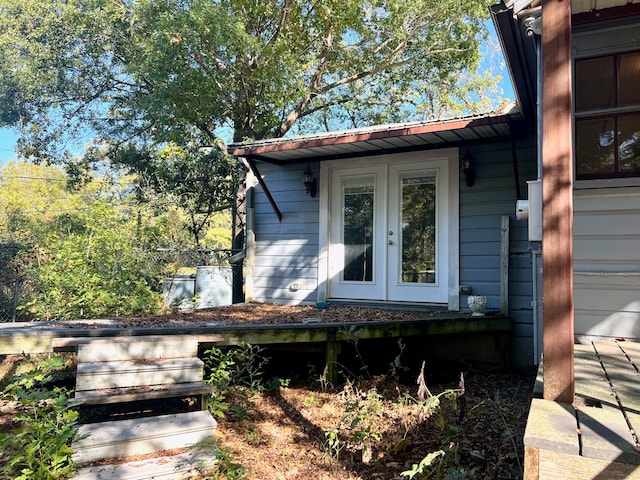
{"x":286,"y":434}
{"x":372,"y":428}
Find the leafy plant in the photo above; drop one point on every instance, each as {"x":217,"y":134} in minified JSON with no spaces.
{"x":225,"y":468}
{"x":361,"y":410}
{"x":333,"y":445}
{"x":40,"y":446}
{"x":426,"y":462}
{"x":235,"y":372}
{"x":98,"y":270}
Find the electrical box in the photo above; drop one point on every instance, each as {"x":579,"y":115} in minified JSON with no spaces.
{"x":522,"y":209}
{"x":535,"y":210}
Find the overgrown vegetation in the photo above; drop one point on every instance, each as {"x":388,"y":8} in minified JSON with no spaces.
{"x":370,"y":425}
{"x":96,"y":250}
{"x":38,"y":445}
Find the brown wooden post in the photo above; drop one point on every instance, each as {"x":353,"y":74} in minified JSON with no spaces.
{"x":557,"y":194}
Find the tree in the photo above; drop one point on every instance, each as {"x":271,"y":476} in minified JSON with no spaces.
{"x":140,"y":72}
{"x":100,"y":268}
{"x":136,"y":76}
{"x":198,"y":181}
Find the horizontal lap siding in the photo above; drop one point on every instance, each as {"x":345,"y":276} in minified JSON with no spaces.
{"x":482,"y":205}
{"x":286,"y":252}
{"x":607,"y":262}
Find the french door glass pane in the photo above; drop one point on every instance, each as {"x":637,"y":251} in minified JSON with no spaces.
{"x":418,"y":224}
{"x":358,"y":230}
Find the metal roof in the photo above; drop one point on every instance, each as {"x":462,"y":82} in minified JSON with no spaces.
{"x":380,"y":138}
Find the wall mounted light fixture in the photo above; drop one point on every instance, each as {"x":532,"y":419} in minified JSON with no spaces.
{"x":310,"y":183}
{"x":469,"y":169}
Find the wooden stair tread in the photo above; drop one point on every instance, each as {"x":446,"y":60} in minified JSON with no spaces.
{"x":147,"y":392}
{"x":139,"y":436}
{"x":61,"y":342}
{"x":130,"y":373}
{"x":183,"y":465}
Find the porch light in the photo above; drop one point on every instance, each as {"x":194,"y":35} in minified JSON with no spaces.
{"x":469,"y":169}
{"x":310,"y":183}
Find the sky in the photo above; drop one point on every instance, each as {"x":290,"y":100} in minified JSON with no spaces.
{"x":7,"y":144}
{"x":8,"y":137}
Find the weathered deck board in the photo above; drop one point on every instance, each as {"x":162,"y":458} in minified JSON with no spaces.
{"x":595,"y":439}
{"x":37,"y":337}
{"x":185,"y":465}
{"x":139,"y":436}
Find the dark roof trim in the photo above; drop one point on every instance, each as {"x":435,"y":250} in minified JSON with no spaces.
{"x":521,"y":71}
{"x":265,"y":149}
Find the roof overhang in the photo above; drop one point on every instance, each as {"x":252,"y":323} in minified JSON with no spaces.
{"x":380,"y":139}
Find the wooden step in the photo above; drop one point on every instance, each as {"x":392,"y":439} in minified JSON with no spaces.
{"x":100,"y":349}
{"x":106,"y":440}
{"x":193,"y":463}
{"x":119,"y":374}
{"x":132,"y":394}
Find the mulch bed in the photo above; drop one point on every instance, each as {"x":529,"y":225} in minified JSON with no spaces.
{"x":256,"y":313}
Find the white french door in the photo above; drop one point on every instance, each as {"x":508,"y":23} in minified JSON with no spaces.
{"x":388,"y":232}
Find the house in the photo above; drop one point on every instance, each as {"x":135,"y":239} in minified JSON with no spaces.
{"x":414,"y":213}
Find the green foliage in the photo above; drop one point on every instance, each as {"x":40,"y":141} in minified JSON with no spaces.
{"x":333,"y":445}
{"x":235,"y":372}
{"x":423,"y":465}
{"x":96,"y":271}
{"x":360,"y":410}
{"x":40,"y":446}
{"x":156,"y":72}
{"x":226,"y":468}
{"x":199,"y":182}
{"x":359,"y":428}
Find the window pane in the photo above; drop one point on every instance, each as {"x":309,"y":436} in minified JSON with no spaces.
{"x":629,"y":141}
{"x":594,"y":83}
{"x":595,"y":144}
{"x":629,"y":78}
{"x":418,"y":221}
{"x":358,"y":231}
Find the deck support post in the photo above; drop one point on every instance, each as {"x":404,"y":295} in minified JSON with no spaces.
{"x":557,"y":194}
{"x":331,"y":358}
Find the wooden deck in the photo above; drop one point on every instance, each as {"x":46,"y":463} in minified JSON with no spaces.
{"x":598,"y":436}
{"x":483,"y":339}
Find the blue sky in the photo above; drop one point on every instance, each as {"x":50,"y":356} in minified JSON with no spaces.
{"x":7,"y":144}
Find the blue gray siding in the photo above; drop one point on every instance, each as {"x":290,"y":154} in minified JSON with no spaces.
{"x":286,"y":253}
{"x":481,"y":208}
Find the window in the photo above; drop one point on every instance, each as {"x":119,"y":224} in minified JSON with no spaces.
{"x":607,"y":128}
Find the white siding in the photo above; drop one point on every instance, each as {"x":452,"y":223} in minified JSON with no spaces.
{"x":607,"y":262}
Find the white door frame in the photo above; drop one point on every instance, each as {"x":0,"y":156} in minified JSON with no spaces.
{"x":450,"y":223}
